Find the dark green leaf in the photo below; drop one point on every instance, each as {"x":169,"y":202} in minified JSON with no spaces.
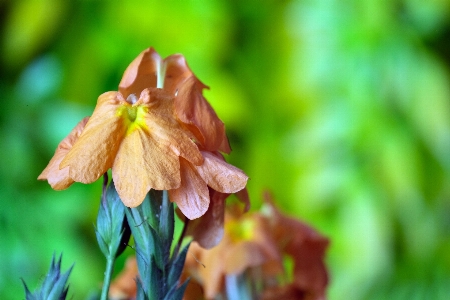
{"x":177,"y":267}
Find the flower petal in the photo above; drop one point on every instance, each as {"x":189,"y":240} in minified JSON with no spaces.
{"x":220,"y":175}
{"x":192,"y":197}
{"x":93,"y":153}
{"x":285,"y":292}
{"x":193,"y":110}
{"x":176,"y":72}
{"x":208,"y":229}
{"x":140,"y":165}
{"x":306,"y":246}
{"x":141,"y":73}
{"x":59,"y":178}
{"x":164,"y":127}
{"x":244,"y":198}
{"x":310,"y":273}
{"x":144,"y":70}
{"x":242,"y":255}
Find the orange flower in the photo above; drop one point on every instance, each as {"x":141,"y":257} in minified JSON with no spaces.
{"x":253,"y":245}
{"x":140,"y":140}
{"x":174,"y":76}
{"x":148,"y":142}
{"x":246,"y":243}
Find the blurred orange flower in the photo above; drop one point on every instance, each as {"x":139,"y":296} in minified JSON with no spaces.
{"x":307,"y":249}
{"x":246,"y":243}
{"x":253,"y":246}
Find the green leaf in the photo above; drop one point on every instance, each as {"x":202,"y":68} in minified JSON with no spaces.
{"x":177,"y":293}
{"x":140,"y":294}
{"x":154,"y":281}
{"x":166,"y":225}
{"x":155,"y":240}
{"x":177,"y":267}
{"x":111,"y":222}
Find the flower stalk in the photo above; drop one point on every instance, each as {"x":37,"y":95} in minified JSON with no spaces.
{"x":107,"y":279}
{"x":112,"y":230}
{"x":152,"y":226}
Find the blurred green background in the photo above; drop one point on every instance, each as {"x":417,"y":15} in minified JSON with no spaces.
{"x":341,"y":108}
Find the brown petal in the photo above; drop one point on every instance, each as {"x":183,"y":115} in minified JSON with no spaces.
{"x":192,"y":197}
{"x":310,"y":273}
{"x":208,"y":229}
{"x":176,"y":72}
{"x":220,"y":175}
{"x":243,"y":196}
{"x":59,"y":178}
{"x":140,"y":165}
{"x":194,"y":290}
{"x":192,"y":109}
{"x":254,"y":245}
{"x":141,"y":73}
{"x":93,"y":153}
{"x":306,"y":246}
{"x":287,"y":292}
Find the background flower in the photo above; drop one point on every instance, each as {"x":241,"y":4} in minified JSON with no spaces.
{"x":253,"y":248}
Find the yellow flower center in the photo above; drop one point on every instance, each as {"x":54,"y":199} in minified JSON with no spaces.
{"x":133,"y":116}
{"x":132,"y":113}
{"x":240,"y":230}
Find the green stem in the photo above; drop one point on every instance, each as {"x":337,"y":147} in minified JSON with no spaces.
{"x":108,"y":275}
{"x":237,"y":287}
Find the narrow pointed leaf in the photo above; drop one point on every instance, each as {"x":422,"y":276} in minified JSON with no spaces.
{"x":177,"y":267}
{"x":177,"y":293}
{"x":156,"y":284}
{"x":60,"y":289}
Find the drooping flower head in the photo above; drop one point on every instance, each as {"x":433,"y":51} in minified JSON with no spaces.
{"x":157,"y":132}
